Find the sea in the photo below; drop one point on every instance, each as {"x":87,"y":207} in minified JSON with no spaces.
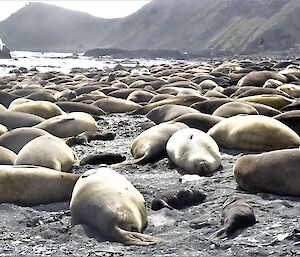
{"x":64,"y":62}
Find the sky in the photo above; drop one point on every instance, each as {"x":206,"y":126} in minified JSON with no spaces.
{"x":103,"y":9}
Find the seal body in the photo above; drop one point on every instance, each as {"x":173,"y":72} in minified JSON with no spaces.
{"x":47,"y":151}
{"x":254,"y":133}
{"x":68,"y":125}
{"x":178,"y":200}
{"x":31,"y":185}
{"x":106,"y":201}
{"x":236,"y":214}
{"x":194,"y":151}
{"x":150,"y":145}
{"x":17,"y":138}
{"x":275,"y":172}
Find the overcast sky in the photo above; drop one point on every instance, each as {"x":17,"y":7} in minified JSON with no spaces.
{"x":104,"y":9}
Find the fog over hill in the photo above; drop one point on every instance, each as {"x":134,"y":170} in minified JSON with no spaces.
{"x":194,"y":26}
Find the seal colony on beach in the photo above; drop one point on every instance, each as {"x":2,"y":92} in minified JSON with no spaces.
{"x":203,"y":119}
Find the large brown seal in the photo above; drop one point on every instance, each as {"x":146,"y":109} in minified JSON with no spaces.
{"x":193,"y":151}
{"x":106,"y":201}
{"x":47,"y":151}
{"x":254,"y":133}
{"x":234,"y":108}
{"x":31,"y":185}
{"x":275,"y":172}
{"x":150,"y":145}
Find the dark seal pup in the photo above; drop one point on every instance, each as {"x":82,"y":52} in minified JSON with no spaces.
{"x":236,"y":214}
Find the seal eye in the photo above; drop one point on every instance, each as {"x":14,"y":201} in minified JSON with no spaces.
{"x":191,"y":136}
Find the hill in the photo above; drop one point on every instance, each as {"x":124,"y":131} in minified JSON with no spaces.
{"x":194,"y":26}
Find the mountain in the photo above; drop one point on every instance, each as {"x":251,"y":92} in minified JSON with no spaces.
{"x":194,"y":26}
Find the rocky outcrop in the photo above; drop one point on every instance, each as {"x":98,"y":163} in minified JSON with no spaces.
{"x":5,"y":53}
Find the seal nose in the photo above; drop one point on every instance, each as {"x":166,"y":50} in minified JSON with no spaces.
{"x":203,"y":168}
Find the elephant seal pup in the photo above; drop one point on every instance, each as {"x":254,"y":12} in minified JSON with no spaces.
{"x":275,"y":172}
{"x":47,"y":151}
{"x":69,"y":125}
{"x":30,"y":185}
{"x":150,"y":145}
{"x":194,"y":151}
{"x":15,"y":139}
{"x":236,"y":214}
{"x":234,"y":108}
{"x":199,"y":120}
{"x":169,"y":112}
{"x":178,"y":200}
{"x":253,"y":133}
{"x":106,"y":201}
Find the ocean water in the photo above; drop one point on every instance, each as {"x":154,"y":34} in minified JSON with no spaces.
{"x":64,"y":62}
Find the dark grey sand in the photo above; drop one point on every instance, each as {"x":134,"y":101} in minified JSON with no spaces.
{"x":45,"y":230}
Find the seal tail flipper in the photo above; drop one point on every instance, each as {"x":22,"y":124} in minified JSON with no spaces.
{"x":135,"y":238}
{"x":129,"y":162}
{"x":220,"y":234}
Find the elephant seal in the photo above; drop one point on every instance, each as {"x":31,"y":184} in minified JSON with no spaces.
{"x":102,"y":158}
{"x":31,"y":185}
{"x":178,"y":200}
{"x":106,"y":201}
{"x":234,"y":108}
{"x":169,"y":112}
{"x":258,"y":78}
{"x":210,"y":105}
{"x":86,"y":137}
{"x":150,"y":145}
{"x":47,"y":151}
{"x":70,"y":124}
{"x":275,"y":172}
{"x":236,"y":214}
{"x":194,"y":151}
{"x":275,"y":101}
{"x":15,"y":139}
{"x":199,"y":120}
{"x":80,"y":107}
{"x":291,"y":119}
{"x":253,"y":133}
{"x":7,"y":157}
{"x":13,"y":120}
{"x":42,"y":109}
{"x":116,"y":105}
{"x":3,"y":129}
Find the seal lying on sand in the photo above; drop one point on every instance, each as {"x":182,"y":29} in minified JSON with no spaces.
{"x":178,"y":200}
{"x":47,"y":151}
{"x":194,"y":151}
{"x":106,"y":201}
{"x":275,"y":172}
{"x":253,"y":133}
{"x":150,"y":145}
{"x":236,"y":214}
{"x":31,"y":185}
